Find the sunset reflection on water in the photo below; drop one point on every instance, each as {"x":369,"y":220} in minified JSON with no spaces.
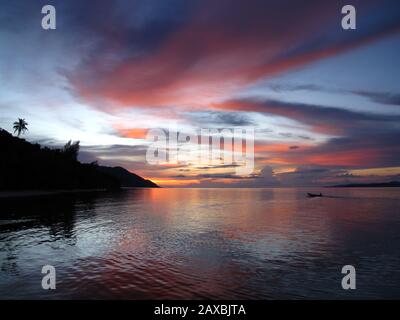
{"x":203,"y":243}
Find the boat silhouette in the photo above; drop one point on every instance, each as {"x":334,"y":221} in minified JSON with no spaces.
{"x":314,"y":195}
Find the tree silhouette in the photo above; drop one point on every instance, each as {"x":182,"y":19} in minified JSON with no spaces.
{"x":71,"y":149}
{"x":20,"y":126}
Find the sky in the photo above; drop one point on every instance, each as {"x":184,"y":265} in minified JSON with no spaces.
{"x":324,"y":102}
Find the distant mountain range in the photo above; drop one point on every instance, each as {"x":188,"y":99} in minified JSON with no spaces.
{"x":391,"y":184}
{"x":27,"y":166}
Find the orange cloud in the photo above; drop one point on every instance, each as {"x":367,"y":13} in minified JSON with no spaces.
{"x":138,"y":133}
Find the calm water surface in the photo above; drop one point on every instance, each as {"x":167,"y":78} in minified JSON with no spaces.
{"x":202,"y":243}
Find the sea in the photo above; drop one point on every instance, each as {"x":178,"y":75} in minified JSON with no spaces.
{"x":272,"y":243}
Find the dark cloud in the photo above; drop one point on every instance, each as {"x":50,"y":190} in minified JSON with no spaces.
{"x":387,"y":98}
{"x":330,"y":120}
{"x":381,"y":97}
{"x":266,"y":178}
{"x":286,"y":134}
{"x":299,"y":87}
{"x":220,"y":119}
{"x":308,"y":176}
{"x":303,"y":137}
{"x":222,"y":166}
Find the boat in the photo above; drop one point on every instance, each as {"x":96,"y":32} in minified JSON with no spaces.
{"x":314,"y":195}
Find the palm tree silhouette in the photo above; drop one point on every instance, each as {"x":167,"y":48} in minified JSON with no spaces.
{"x":20,"y":126}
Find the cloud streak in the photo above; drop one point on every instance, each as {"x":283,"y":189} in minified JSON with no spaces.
{"x":327,"y":120}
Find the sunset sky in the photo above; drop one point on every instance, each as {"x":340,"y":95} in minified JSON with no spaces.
{"x":324,"y":102}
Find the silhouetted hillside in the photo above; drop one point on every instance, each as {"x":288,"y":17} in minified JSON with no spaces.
{"x":126,"y":178}
{"x":391,"y":184}
{"x":24,"y":165}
